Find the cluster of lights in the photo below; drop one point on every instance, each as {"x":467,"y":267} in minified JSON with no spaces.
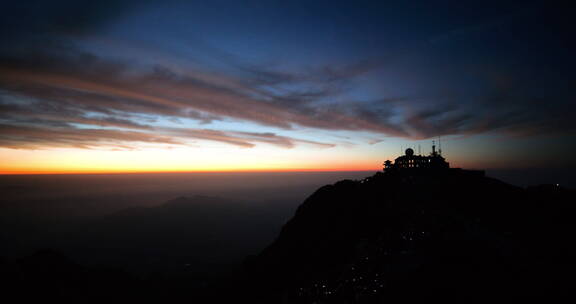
{"x":363,"y":277}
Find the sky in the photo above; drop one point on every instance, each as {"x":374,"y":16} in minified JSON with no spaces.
{"x":173,"y":85}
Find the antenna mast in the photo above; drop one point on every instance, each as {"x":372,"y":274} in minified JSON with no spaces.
{"x":439,"y":146}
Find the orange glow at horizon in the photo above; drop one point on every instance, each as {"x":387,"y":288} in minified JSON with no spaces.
{"x":214,"y":157}
{"x":120,"y":170}
{"x":79,"y":161}
{"x":136,"y":171}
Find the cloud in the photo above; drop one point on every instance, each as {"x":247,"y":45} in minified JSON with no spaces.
{"x":52,"y":88}
{"x":108,"y":94}
{"x":36,"y":137}
{"x":38,"y":134}
{"x":83,"y":82}
{"x":44,"y":123}
{"x":281,"y":141}
{"x":242,"y":139}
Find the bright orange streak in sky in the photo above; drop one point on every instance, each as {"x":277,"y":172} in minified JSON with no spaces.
{"x":74,"y":161}
{"x":136,"y":170}
{"x":185,"y":171}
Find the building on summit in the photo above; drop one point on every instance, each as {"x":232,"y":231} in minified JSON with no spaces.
{"x":411,"y":161}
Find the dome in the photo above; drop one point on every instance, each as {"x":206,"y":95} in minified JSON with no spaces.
{"x":409,"y":152}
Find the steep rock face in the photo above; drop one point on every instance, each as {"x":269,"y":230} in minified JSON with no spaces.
{"x":432,"y":231}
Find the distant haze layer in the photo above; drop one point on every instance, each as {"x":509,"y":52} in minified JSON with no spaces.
{"x":49,"y":195}
{"x":101,"y":193}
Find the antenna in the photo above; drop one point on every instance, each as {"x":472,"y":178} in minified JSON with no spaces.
{"x":433,"y":148}
{"x":419,"y":153}
{"x":439,"y":145}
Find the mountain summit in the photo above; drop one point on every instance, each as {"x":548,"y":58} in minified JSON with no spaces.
{"x":419,"y":232}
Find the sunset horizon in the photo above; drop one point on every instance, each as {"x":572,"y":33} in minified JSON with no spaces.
{"x":63,"y":166}
{"x":177,"y":86}
{"x":294,"y":152}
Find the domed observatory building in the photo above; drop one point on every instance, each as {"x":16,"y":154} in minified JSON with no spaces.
{"x":411,"y":161}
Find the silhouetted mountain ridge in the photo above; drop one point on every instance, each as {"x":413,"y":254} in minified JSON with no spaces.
{"x":193,"y":205}
{"x":435,"y":231}
{"x":183,"y":248}
{"x":180,"y":236}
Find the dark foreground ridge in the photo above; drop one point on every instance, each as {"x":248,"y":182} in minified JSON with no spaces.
{"x":411,"y":232}
{"x":420,"y":233}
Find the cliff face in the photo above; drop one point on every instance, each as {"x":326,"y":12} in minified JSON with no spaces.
{"x":431,"y":231}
